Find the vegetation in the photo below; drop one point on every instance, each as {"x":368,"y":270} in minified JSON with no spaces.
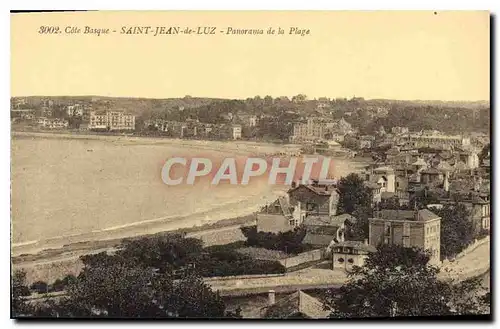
{"x":398,"y":281}
{"x":159,"y":276}
{"x":177,"y":254}
{"x":353,"y":194}
{"x":20,"y":290}
{"x":147,"y":278}
{"x":110,"y":288}
{"x":424,"y":197}
{"x":289,"y":242}
{"x":359,"y":229}
{"x":457,"y":230}
{"x":280,"y":113}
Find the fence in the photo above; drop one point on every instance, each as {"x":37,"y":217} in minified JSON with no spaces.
{"x":241,"y":277}
{"x":305,"y":257}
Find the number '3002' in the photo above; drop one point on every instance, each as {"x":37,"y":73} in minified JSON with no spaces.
{"x":48,"y":29}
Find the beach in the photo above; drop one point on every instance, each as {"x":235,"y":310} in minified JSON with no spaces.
{"x":74,"y":194}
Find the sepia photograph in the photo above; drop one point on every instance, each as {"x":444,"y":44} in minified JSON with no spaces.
{"x":312,"y":165}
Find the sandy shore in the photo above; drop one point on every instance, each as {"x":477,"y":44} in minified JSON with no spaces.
{"x":243,"y":147}
{"x":50,"y":264}
{"x":49,"y":260}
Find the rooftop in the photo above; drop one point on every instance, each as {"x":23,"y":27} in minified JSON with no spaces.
{"x":328,"y":220}
{"x":297,"y":303}
{"x":423,"y":215}
{"x":359,"y":245}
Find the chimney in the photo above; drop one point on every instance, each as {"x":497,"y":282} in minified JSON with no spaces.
{"x":272,"y":297}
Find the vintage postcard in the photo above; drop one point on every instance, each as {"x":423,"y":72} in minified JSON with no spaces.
{"x":250,"y":164}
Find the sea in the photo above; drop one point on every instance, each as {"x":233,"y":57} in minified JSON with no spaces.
{"x":68,"y":190}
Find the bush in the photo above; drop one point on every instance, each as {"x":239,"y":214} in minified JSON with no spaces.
{"x":289,"y":242}
{"x":40,"y":287}
{"x":224,"y":260}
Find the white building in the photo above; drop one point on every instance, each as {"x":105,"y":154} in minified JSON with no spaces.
{"x":111,"y":120}
{"x":236,"y":131}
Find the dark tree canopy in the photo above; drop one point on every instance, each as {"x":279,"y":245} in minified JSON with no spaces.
{"x":113,"y":288}
{"x":352,"y":194}
{"x":457,"y":230}
{"x":398,"y":281}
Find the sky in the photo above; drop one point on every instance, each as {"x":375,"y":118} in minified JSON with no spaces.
{"x":393,"y":55}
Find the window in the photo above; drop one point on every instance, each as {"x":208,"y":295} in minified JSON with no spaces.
{"x":350,"y":260}
{"x":341,"y":260}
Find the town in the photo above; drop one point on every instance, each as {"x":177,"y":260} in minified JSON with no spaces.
{"x":423,"y":196}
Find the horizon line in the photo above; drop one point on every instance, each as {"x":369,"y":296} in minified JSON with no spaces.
{"x":274,"y":97}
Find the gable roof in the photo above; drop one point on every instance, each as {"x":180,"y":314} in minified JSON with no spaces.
{"x":318,"y":239}
{"x":298,"y":302}
{"x":319,"y":190}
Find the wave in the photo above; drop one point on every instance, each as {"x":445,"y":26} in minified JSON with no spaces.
{"x":24,"y":243}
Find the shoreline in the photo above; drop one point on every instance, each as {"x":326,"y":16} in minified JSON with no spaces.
{"x":229,"y":145}
{"x":242,"y":147}
{"x":67,"y":258}
{"x":68,"y":248}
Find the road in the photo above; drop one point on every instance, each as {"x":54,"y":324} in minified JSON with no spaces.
{"x":475,"y":263}
{"x":308,"y":278}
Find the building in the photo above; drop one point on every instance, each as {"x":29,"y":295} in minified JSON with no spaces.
{"x":315,"y":129}
{"x":52,"y":123}
{"x":290,"y":211}
{"x":322,"y":230}
{"x":25,"y":114}
{"x":435,"y":139}
{"x":111,"y":120}
{"x":408,"y":228}
{"x":236,"y":132}
{"x":317,"y":198}
{"x":400,"y":130}
{"x":366,"y":142}
{"x":252,"y":121}
{"x":279,"y":216}
{"x":433,"y":176}
{"x":347,"y":254}
{"x":475,"y":194}
{"x":298,"y":305}
{"x":375,"y":191}
{"x":310,"y":131}
{"x":74,"y":110}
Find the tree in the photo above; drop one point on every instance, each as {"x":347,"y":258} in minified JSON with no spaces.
{"x":457,"y":230}
{"x":40,"y":287}
{"x":424,"y":197}
{"x":359,"y":229}
{"x":485,"y":153}
{"x":19,"y":306}
{"x":108,"y":287}
{"x":352,"y":194}
{"x":163,"y":252}
{"x":399,"y":281}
